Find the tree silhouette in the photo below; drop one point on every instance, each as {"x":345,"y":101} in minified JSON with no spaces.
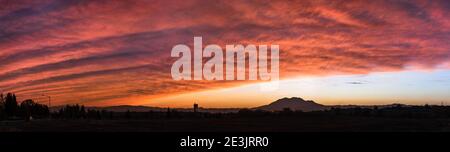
{"x":2,"y":107}
{"x":73,"y":112}
{"x":1,"y":99}
{"x":29,"y":109}
{"x":10,"y":105}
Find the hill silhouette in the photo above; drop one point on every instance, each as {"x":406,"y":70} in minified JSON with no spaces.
{"x":135,"y":108}
{"x":124,"y":108}
{"x":293,"y":103}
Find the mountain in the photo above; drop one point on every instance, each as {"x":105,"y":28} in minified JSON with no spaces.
{"x":293,"y":103}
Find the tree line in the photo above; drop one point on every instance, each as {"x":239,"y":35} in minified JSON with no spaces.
{"x":27,"y":109}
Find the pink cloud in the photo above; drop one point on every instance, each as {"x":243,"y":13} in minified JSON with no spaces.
{"x":109,"y":50}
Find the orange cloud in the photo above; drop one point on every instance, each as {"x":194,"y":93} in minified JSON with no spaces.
{"x":103,"y":52}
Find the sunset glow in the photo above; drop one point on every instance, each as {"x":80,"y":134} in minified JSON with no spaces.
{"x":373,"y":89}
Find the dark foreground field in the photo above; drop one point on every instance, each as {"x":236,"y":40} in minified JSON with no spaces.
{"x":263,"y":124}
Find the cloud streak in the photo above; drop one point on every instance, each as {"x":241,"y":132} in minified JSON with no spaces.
{"x":93,"y":52}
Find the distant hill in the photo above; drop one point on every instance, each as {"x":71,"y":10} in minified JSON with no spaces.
{"x":293,"y":103}
{"x":121,"y":108}
{"x":370,"y":106}
{"x":125,"y":108}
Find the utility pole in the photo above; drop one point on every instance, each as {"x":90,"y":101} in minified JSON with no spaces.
{"x":49,"y":100}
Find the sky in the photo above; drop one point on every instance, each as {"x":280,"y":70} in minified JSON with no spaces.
{"x":115,"y":52}
{"x":379,"y":88}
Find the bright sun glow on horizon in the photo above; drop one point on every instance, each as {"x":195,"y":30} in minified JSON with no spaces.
{"x":407,"y":87}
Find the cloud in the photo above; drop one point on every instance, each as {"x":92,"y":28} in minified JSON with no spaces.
{"x":356,"y":82}
{"x":103,"y":51}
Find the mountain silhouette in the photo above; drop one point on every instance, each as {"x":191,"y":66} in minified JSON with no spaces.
{"x":293,"y":103}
